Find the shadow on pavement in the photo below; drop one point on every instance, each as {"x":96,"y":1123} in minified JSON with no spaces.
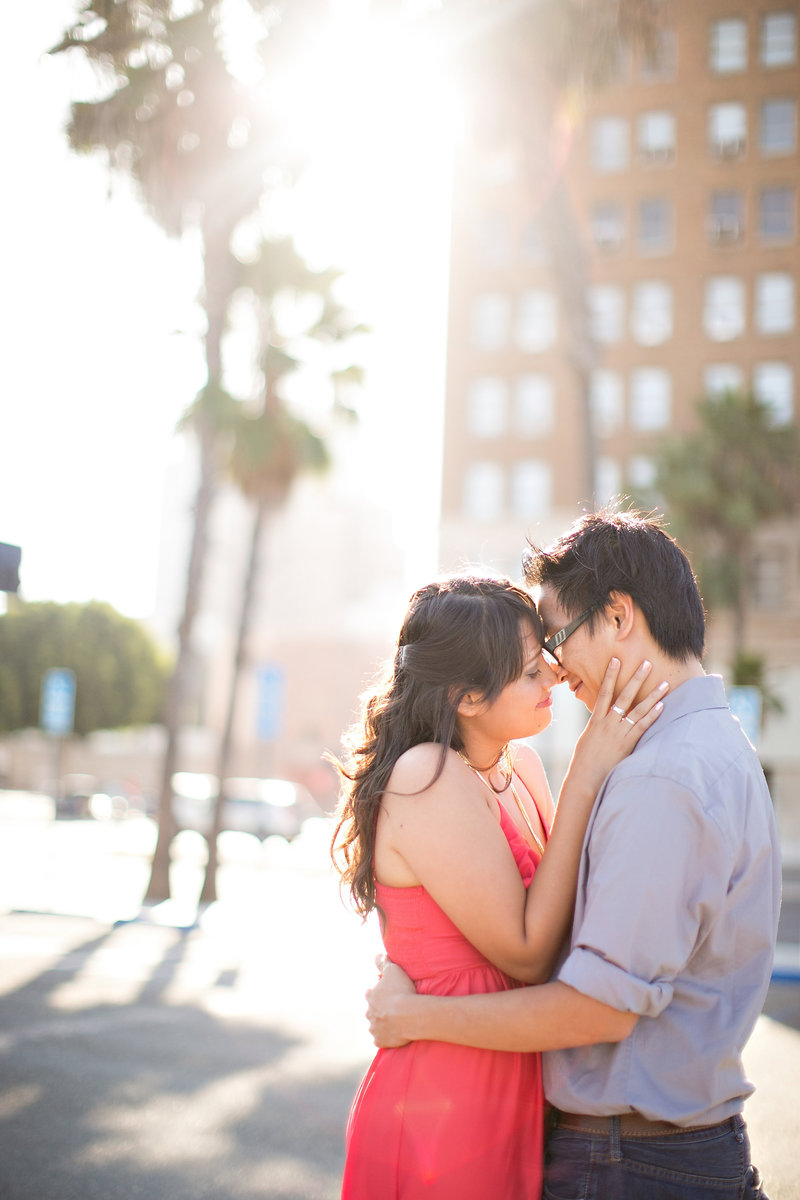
{"x":159,"y":1101}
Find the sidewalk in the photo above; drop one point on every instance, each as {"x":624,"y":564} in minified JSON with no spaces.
{"x":174,"y":1052}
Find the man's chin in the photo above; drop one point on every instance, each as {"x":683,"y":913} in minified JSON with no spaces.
{"x":581,"y":693}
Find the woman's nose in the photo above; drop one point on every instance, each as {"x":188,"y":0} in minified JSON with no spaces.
{"x":558,"y":671}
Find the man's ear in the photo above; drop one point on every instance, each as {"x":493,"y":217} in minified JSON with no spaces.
{"x":620,"y":611}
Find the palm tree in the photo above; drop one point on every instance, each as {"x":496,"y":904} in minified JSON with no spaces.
{"x":173,"y":117}
{"x":720,"y":484}
{"x":272,"y":447}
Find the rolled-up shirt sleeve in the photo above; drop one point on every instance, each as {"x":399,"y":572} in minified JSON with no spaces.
{"x":656,"y":868}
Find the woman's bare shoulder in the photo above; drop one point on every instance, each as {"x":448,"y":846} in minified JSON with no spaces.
{"x":416,"y":770}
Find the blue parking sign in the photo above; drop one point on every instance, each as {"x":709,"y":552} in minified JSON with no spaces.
{"x":270,"y":701}
{"x":57,"y":706}
{"x":745,"y":704}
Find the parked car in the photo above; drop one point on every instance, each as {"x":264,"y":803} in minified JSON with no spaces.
{"x":263,"y":807}
{"x":75,"y":797}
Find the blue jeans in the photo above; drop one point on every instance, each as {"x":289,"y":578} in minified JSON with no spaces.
{"x":704,"y":1164}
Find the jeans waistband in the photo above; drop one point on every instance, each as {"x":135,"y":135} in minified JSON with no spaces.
{"x":630,"y":1124}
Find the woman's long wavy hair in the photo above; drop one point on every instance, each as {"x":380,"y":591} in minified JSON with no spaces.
{"x":461,"y":634}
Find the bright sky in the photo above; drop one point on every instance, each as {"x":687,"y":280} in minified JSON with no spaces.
{"x":101,"y":352}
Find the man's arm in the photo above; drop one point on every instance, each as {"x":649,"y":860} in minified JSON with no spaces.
{"x":550,"y":1016}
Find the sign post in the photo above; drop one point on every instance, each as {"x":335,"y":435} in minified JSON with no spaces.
{"x":57,"y":712}
{"x":57,"y":708}
{"x":10,"y":557}
{"x":745,"y":704}
{"x":270,"y":704}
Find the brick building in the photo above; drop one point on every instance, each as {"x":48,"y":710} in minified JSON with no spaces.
{"x":682,"y":180}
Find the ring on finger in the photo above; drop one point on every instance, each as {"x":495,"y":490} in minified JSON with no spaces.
{"x":619,"y":711}
{"x":630,"y":722}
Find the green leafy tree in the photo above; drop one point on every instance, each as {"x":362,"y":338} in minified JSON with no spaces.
{"x":174,"y":115}
{"x":720,"y":484}
{"x":120,"y":672}
{"x":270,"y":445}
{"x":748,"y":669}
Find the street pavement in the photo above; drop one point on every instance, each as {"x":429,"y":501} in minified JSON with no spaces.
{"x":170,"y":1054}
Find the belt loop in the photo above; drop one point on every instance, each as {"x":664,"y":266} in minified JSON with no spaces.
{"x":615,"y":1151}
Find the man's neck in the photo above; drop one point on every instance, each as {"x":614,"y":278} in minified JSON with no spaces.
{"x":671,"y":670}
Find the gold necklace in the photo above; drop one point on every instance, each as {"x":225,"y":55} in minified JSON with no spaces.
{"x":491,"y":765}
{"x":523,"y":811}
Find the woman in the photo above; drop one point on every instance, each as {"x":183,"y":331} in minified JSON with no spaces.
{"x":442,"y":828}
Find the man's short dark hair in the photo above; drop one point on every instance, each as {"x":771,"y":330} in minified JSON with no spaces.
{"x":609,"y":551}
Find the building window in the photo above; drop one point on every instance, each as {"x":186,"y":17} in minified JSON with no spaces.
{"x":531,"y":489}
{"x":775,"y":302}
{"x":484,"y":488}
{"x":655,"y":225}
{"x":776,"y":214}
{"x":534,"y":403}
{"x":778,"y":39}
{"x":536,"y":321}
{"x":778,"y":120}
{"x":728,"y":46}
{"x":607,"y":400}
{"x":608,"y":479}
{"x":491,"y":314}
{"x":724,"y":309}
{"x":607,"y":222}
{"x":651,"y":399}
{"x":642,"y":472}
{"x":609,"y":144}
{"x":769,"y":580}
{"x":493,"y":237}
{"x":726,"y":217}
{"x":727,"y":130}
{"x":719,"y":378}
{"x":618,"y":61}
{"x":651,"y":313}
{"x":660,"y":60}
{"x":487,"y":405}
{"x":606,"y":313}
{"x":773,"y":384}
{"x":655,"y":137}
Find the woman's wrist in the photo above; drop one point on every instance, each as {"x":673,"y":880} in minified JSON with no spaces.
{"x":581,"y":784}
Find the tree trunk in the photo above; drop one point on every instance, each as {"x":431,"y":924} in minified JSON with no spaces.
{"x":546,"y":145}
{"x":571,"y":277}
{"x":209,"y":890}
{"x":218,"y":286}
{"x":158,"y":887}
{"x":738,"y":603}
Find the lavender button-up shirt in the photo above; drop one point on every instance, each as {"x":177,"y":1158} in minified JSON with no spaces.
{"x":676,"y":919}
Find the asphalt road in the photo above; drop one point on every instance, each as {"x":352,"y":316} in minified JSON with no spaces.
{"x":171,"y":1058}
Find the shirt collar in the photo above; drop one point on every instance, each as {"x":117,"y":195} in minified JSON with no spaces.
{"x":695,"y":695}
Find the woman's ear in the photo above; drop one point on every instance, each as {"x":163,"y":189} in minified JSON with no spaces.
{"x":620,"y":612}
{"x":469,"y":704}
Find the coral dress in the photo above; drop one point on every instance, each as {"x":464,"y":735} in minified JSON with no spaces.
{"x":439,"y":1121}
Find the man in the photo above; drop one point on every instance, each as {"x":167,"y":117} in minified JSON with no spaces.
{"x":677,"y":907}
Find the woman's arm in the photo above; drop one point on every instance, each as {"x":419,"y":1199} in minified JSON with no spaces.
{"x":450,"y":841}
